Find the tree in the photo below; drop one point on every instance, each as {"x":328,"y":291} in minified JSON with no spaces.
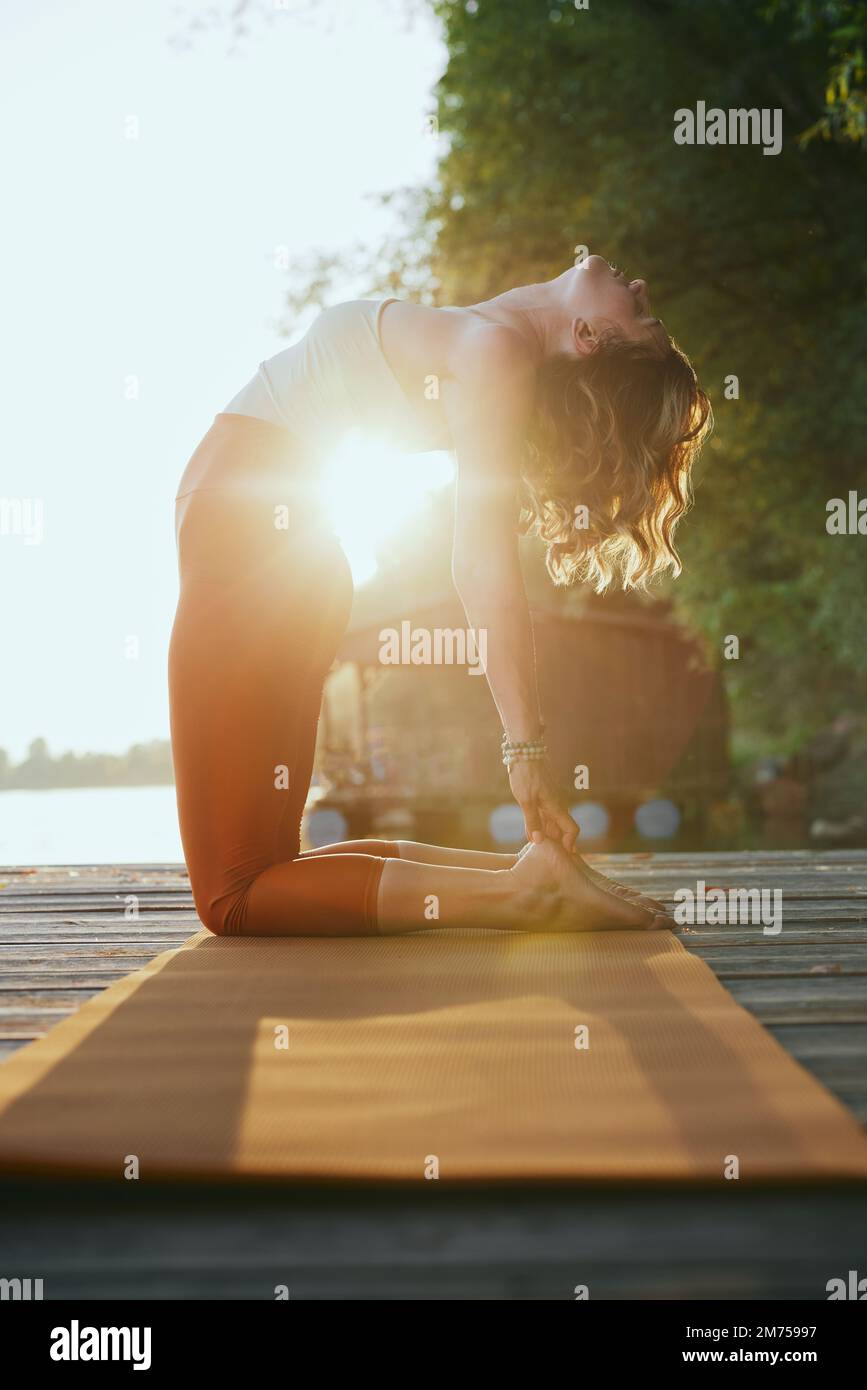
{"x":842,"y":25}
{"x":559,"y":125}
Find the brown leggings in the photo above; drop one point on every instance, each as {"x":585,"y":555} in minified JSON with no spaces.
{"x":265,"y":595}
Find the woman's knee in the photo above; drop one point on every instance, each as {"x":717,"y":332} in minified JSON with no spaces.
{"x":220,"y":915}
{"x":214,"y":919}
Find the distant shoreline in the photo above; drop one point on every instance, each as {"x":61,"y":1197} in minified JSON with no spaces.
{"x":142,"y":765}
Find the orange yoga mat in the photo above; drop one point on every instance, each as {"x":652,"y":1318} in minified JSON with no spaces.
{"x":403,"y":1058}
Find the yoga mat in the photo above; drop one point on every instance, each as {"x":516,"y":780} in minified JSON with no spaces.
{"x":447,"y":1053}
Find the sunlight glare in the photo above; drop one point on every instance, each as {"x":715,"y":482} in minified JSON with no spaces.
{"x":371,"y":491}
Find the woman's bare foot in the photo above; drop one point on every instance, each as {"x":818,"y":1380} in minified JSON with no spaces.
{"x":651,"y":905}
{"x":557,"y":892}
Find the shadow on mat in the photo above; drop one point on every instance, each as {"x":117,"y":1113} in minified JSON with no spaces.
{"x":168,"y":1074}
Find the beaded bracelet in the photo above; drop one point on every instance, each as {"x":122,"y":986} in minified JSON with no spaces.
{"x":525,"y":753}
{"x":507,"y":742}
{"x":524,"y":750}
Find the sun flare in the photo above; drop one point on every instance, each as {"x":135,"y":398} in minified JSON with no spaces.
{"x":371,"y":491}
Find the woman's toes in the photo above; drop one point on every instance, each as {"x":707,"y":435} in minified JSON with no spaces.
{"x":662,"y":923}
{"x":649,"y":904}
{"x":616,"y":910}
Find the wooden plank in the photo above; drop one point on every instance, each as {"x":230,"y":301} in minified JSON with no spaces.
{"x":37,"y":890}
{"x":82,"y":905}
{"x":753,"y":936}
{"x":45,"y":895}
{"x":108,"y":882}
{"x":104,"y":918}
{"x":148,"y":943}
{"x":42,"y":1001}
{"x":92,"y":978}
{"x":844,"y":1041}
{"x":94,"y":905}
{"x":130,"y":953}
{"x":148,"y":1241}
{"x":822,"y":999}
{"x":105,"y":930}
{"x":789,"y":959}
{"x":815,"y":860}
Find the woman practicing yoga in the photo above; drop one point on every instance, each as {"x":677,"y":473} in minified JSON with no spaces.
{"x":556,"y":398}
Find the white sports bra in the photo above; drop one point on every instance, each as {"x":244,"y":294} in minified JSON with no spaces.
{"x":334,"y":380}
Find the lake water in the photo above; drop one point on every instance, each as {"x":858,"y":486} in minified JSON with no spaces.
{"x":90,"y":825}
{"x":138,"y":825}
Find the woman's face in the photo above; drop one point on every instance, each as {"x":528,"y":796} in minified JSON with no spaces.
{"x":602,"y":297}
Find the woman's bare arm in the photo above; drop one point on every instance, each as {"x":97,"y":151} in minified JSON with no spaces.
{"x":488,"y":404}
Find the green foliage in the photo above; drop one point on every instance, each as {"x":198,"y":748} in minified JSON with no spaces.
{"x":843,"y":27}
{"x":559,"y":125}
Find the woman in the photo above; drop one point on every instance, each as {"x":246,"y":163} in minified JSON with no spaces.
{"x":555,"y":397}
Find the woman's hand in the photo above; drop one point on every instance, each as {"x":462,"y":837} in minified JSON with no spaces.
{"x":545,"y":813}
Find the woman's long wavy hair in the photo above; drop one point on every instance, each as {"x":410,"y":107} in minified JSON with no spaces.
{"x":615,"y":432}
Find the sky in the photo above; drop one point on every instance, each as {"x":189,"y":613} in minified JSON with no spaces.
{"x":149,"y":189}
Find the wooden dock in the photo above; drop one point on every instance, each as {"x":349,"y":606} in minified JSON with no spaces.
{"x":66,"y":933}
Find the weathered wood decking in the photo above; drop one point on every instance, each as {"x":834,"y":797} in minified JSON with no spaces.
{"x":67,"y":933}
